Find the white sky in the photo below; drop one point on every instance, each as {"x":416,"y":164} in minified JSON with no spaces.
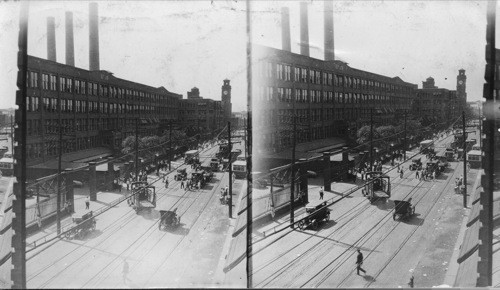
{"x":409,"y":39}
{"x":180,"y":45}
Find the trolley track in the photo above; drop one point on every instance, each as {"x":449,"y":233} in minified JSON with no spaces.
{"x":114,"y":226}
{"x":325,"y":238}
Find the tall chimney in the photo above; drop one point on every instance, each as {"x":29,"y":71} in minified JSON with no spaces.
{"x":51,"y":39}
{"x":70,"y":46}
{"x":93,"y":37}
{"x":329,"y":41}
{"x":285,"y":29}
{"x":304,"y":30}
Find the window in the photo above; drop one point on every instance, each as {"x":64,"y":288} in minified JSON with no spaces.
{"x":297,"y":74}
{"x":45,"y":81}
{"x":62,"y":84}
{"x":77,"y":86}
{"x":279,"y":71}
{"x":69,"y":85}
{"x":32,"y":79}
{"x":82,"y":87}
{"x":53,"y":82}
{"x":288,"y":73}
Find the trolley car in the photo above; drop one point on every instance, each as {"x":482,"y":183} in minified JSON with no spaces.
{"x":143,"y":197}
{"x":378,"y":186}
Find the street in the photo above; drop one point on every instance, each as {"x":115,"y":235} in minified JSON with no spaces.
{"x":185,"y":257}
{"x":393,"y":250}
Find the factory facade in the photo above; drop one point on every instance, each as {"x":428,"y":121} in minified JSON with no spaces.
{"x":96,"y":110}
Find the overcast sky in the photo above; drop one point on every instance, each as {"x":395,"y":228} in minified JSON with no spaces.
{"x":180,"y":45}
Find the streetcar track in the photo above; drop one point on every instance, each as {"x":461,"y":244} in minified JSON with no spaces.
{"x":397,"y":184}
{"x":369,"y":205}
{"x":132,"y":215}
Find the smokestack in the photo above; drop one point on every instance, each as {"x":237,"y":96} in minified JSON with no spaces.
{"x":70,"y":46}
{"x":329,"y":40}
{"x":304,"y":30}
{"x":285,"y":29}
{"x":93,"y":37}
{"x":51,"y":39}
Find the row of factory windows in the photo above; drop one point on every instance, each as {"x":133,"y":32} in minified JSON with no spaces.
{"x":305,"y":116}
{"x":317,"y":96}
{"x":305,"y":75}
{"x":82,"y":106}
{"x":285,"y":138}
{"x":51,"y":148}
{"x":49,"y":82}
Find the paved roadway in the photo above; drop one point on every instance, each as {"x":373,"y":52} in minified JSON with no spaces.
{"x":393,"y":250}
{"x":186,"y":257}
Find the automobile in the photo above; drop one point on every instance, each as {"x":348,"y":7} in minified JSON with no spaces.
{"x":403,"y":210}
{"x":315,"y":214}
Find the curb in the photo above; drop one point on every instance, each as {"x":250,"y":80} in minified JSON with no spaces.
{"x":452,"y":272}
{"x":220,"y":276}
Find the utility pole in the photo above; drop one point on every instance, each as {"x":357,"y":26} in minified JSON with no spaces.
{"x":230,"y":145}
{"x":404,"y":141}
{"x":465,"y":160}
{"x":136,"y":149}
{"x":170,"y":149}
{"x":58,"y":212}
{"x":292,"y":175}
{"x":371,"y":139}
{"x":480,"y":132}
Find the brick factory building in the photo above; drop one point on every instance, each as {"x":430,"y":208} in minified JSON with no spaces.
{"x":97,"y":110}
{"x":329,"y":99}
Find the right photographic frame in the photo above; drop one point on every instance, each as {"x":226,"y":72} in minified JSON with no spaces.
{"x":373,"y":144}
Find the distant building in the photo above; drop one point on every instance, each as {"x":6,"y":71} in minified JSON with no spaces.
{"x":197,"y":112}
{"x":436,"y":106}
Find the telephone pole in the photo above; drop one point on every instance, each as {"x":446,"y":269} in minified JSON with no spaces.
{"x":292,"y":175}
{"x":404,"y":140}
{"x":170,"y":149}
{"x":371,"y":139}
{"x":465,"y":160}
{"x":230,"y":145}
{"x":136,"y":149}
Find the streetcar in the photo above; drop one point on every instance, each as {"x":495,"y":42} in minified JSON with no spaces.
{"x":427,"y":146}
{"x":378,"y":186}
{"x":474,"y":157}
{"x":7,"y":164}
{"x":191,"y":156}
{"x":143,"y":197}
{"x":240,"y":169}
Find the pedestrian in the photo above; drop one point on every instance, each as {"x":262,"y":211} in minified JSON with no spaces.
{"x":411,"y":284}
{"x":166,"y":183}
{"x":434,"y":175}
{"x":417,"y":174}
{"x":87,"y":202}
{"x":401,"y":174}
{"x":359,"y":262}
{"x":321,"y":193}
{"x":398,"y":167}
{"x":362,"y":174}
{"x":182,"y":183}
{"x":128,"y":184}
{"x":125,"y":271}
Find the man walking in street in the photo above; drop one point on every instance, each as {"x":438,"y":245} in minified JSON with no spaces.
{"x":359,"y":262}
{"x":321,"y":193}
{"x":417,"y":174}
{"x":401,"y":173}
{"x":87,"y":202}
{"x":182,"y":183}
